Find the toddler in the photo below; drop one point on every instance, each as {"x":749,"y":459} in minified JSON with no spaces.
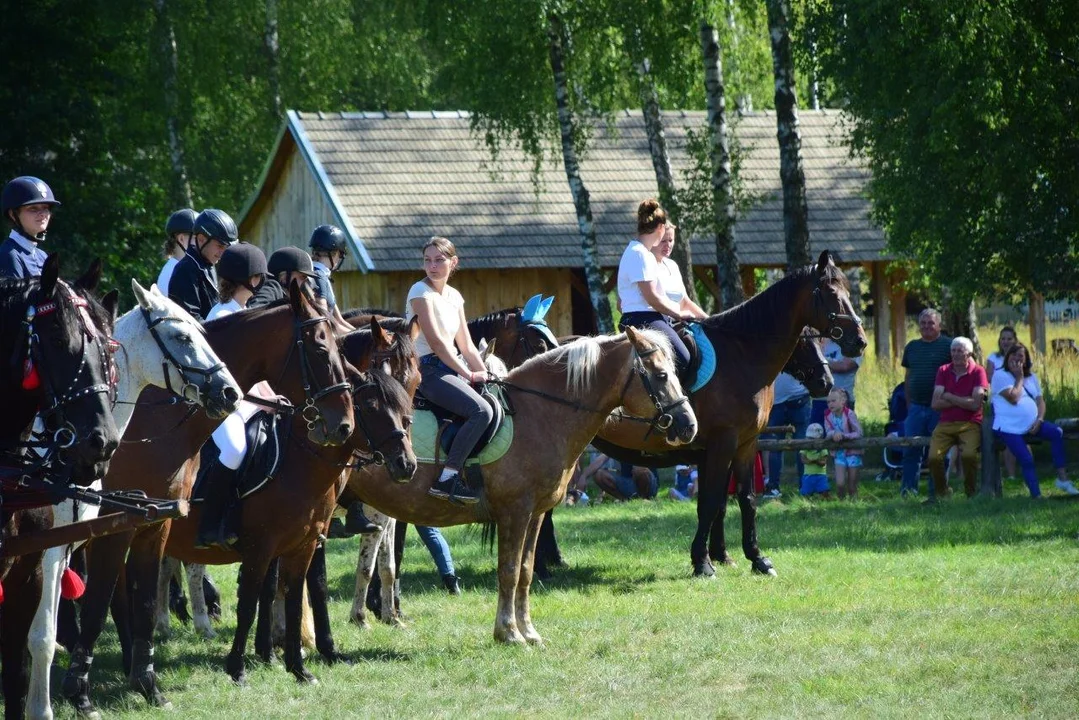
{"x":841,"y":423}
{"x":815,"y":477}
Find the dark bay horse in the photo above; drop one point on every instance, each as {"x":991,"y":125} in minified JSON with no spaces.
{"x":571,"y":389}
{"x":291,"y":345}
{"x":57,"y":361}
{"x":753,"y":341}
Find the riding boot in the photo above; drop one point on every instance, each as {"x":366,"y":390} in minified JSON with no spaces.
{"x":219,"y":493}
{"x":357,"y":522}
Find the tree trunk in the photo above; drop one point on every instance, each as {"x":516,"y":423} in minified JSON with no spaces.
{"x":273,"y":48}
{"x":592,"y":270}
{"x":744,"y":103}
{"x":728,"y":275}
{"x":795,"y":213}
{"x":171,"y":63}
{"x":959,"y":317}
{"x":682,"y":254}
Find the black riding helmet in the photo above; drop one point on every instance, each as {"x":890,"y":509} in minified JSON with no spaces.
{"x":239,"y":262}
{"x":181,"y":221}
{"x":328,"y":238}
{"x":25,"y":190}
{"x":291,"y":259}
{"x":217,"y":225}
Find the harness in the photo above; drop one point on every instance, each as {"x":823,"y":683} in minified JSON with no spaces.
{"x":184,"y":371}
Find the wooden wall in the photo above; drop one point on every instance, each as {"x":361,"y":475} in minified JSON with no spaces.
{"x":484,"y":291}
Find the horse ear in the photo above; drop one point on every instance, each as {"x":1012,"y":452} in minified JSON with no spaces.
{"x":90,"y":279}
{"x":488,"y":349}
{"x":634,"y":337}
{"x":111,"y":302}
{"x":414,"y":327}
{"x":544,"y":307}
{"x":382,"y":338}
{"x":824,"y":261}
{"x":531,"y":308}
{"x":141,"y":296}
{"x":50,"y":273}
{"x":296,"y":298}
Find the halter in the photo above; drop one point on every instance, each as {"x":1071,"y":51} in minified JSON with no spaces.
{"x":183,"y":370}
{"x":311,"y":413}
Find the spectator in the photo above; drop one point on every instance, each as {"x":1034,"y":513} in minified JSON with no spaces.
{"x":844,"y":370}
{"x":790,"y":406}
{"x":958,"y":395}
{"x":841,"y":423}
{"x":1018,"y":411}
{"x":921,"y":358}
{"x":815,"y":477}
{"x":995,"y":362}
{"x":685,"y":483}
{"x":436,"y":544}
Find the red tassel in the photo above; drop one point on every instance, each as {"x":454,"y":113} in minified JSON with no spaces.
{"x":1,"y":593}
{"x":71,"y":585}
{"x":30,"y":379}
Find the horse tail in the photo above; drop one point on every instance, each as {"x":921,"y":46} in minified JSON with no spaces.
{"x":489,"y":536}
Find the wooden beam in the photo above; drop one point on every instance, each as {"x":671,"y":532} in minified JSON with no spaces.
{"x":611,"y":283}
{"x":882,"y":310}
{"x":749,"y":282}
{"x":1036,"y":318}
{"x":899,"y":320}
{"x":702,"y":273}
{"x":80,"y":531}
{"x":859,"y":443}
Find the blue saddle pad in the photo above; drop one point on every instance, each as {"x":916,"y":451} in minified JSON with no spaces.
{"x":707,"y":367}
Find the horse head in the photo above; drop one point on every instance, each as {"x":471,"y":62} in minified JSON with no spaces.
{"x":833,"y":313}
{"x":168,"y":346}
{"x":808,"y":365}
{"x":383,"y":412}
{"x":658,"y":394}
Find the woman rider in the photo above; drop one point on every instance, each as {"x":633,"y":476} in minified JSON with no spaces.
{"x":241,"y":270}
{"x":670,"y":277}
{"x":641,"y":296}
{"x":178,"y":231}
{"x":446,"y":376}
{"x":27,"y":203}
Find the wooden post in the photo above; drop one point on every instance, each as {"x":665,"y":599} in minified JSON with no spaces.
{"x":899,"y":320}
{"x":882,"y":310}
{"x":991,"y":481}
{"x":749,"y":283}
{"x":1036,"y":318}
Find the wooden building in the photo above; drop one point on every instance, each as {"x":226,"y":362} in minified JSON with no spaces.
{"x":392,"y":180}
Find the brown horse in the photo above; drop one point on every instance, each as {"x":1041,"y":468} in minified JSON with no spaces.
{"x":290,"y":345}
{"x":306,"y":483}
{"x":633,"y":370}
{"x":54,"y":339}
{"x":752,"y":341}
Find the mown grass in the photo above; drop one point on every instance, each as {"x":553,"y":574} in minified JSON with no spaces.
{"x":882,"y":608}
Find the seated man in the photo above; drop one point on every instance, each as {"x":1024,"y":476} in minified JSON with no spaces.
{"x":958,"y":395}
{"x":685,"y":483}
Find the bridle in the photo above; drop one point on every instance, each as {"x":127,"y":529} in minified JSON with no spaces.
{"x":184,"y":371}
{"x":834,"y":330}
{"x":312,"y":391}
{"x":522,"y":338}
{"x":375,"y":448}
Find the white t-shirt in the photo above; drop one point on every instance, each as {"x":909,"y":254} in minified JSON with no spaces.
{"x":165,"y":275}
{"x":244,"y":409}
{"x":638,"y":264}
{"x":670,"y":281}
{"x":787,"y":388}
{"x":446,"y":312}
{"x":996,"y":360}
{"x":1015,"y":419}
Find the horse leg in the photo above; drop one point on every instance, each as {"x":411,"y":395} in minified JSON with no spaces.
{"x":747,"y":504}
{"x":293,"y":573}
{"x":200,"y":613}
{"x":144,"y":568}
{"x":318,"y":592}
{"x":711,"y":493}
{"x":252,"y":575}
{"x":43,"y":632}
{"x":105,"y":562}
{"x":164,"y":583}
{"x":265,"y":623}
{"x":511,"y":534}
{"x":23,"y":592}
{"x":67,"y":613}
{"x":365,"y":565}
{"x":387,"y":573}
{"x":524,"y":582}
{"x":717,"y":538}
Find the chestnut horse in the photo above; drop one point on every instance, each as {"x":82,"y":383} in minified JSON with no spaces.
{"x":54,"y":340}
{"x":753,"y":341}
{"x":634,"y":370}
{"x":292,"y":346}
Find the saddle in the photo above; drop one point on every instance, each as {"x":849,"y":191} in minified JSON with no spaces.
{"x":702,"y":356}
{"x":267,"y":434}
{"x":448,"y":424}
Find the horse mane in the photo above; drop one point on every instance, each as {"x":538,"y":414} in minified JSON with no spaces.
{"x":483,"y":326}
{"x":382,"y":312}
{"x":15,"y":295}
{"x":773,"y":301}
{"x":357,"y":342}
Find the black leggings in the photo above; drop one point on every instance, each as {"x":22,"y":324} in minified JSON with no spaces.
{"x":656,"y":321}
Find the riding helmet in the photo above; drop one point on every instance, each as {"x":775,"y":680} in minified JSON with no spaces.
{"x":328,"y":238}
{"x":240,"y":261}
{"x":181,"y":221}
{"x":217,"y":225}
{"x":291,"y":259}
{"x":26,"y":190}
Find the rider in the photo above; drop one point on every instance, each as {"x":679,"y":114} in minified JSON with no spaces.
{"x":670,"y":277}
{"x":194,"y":284}
{"x":328,"y":248}
{"x":241,"y":270}
{"x":284,"y":265}
{"x":642,"y":298}
{"x":27,"y":203}
{"x":178,"y":230}
{"x":446,"y":377}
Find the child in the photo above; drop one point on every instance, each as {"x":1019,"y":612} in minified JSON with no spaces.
{"x":815,"y":478}
{"x":842,"y":424}
{"x":685,"y":483}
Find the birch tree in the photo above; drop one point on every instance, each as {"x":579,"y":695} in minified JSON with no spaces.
{"x":169,"y":56}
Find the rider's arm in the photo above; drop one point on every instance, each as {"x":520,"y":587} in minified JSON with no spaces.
{"x":688,"y":307}
{"x":439,"y":345}
{"x":467,"y":347}
{"x":658,"y":300}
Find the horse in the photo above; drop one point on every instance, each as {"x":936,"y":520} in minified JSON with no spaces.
{"x":634,"y":370}
{"x":292,"y":346}
{"x":752,"y":341}
{"x":158,"y":343}
{"x":56,"y":342}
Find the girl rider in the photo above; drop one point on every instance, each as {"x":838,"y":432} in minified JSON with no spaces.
{"x":194,"y":284}
{"x":27,"y":203}
{"x":178,"y":230}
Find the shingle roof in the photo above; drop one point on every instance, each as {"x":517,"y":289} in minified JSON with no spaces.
{"x":403,"y":177}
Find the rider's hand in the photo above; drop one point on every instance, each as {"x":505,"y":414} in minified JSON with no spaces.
{"x":477,"y":376}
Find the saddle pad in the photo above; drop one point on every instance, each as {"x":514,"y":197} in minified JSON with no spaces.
{"x":266,"y":438}
{"x":707,"y":367}
{"x":425,"y":433}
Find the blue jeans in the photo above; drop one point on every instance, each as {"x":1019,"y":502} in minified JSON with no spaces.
{"x":438,"y":547}
{"x":921,"y":421}
{"x":796,"y":412}
{"x":1018,"y":445}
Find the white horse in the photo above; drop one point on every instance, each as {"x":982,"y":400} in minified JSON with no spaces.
{"x":159,"y":344}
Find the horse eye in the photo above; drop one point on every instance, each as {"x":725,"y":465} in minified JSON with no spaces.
{"x":661,"y":376}
{"x":184,"y":338}
{"x":406,"y":422}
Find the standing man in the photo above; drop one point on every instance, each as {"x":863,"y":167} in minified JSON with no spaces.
{"x":194,"y":283}
{"x":791,"y":406}
{"x":27,"y":203}
{"x":922,"y":358}
{"x":958,"y":395}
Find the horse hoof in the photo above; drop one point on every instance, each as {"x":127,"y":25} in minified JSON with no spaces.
{"x":305,"y":678}
{"x":534,"y":638}
{"x":512,"y":637}
{"x":763,"y":566}
{"x":704,"y":569}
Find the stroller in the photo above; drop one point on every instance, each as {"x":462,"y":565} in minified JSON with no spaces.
{"x":893,"y":456}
